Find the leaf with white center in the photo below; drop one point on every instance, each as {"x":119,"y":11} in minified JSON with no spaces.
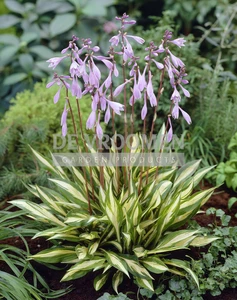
{"x":185,"y":172}
{"x":86,"y":265}
{"x":201,"y":241}
{"x":80,"y":199}
{"x":56,"y":230}
{"x":183,"y":265}
{"x":174,"y":241}
{"x":113,"y":211}
{"x":100,"y":280}
{"x":198,"y":176}
{"x":89,"y":236}
{"x":154,"y":265}
{"x":50,"y":201}
{"x":117,"y":262}
{"x":117,"y":280}
{"x":55,"y":255}
{"x":116,"y":245}
{"x":37,"y":211}
{"x":92,"y":248}
{"x":44,"y":161}
{"x":137,"y":269}
{"x":144,"y":283}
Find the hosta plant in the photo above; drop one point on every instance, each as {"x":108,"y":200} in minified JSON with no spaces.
{"x":119,"y":220}
{"x":128,"y":234}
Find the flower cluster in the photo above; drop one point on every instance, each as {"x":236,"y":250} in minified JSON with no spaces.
{"x":86,"y":78}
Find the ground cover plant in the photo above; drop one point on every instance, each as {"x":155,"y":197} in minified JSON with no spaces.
{"x":119,"y":220}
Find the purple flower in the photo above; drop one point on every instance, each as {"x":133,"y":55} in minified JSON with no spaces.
{"x":75,"y":88}
{"x":57,"y":95}
{"x":142,"y":79}
{"x":175,"y":111}
{"x":186,"y":92}
{"x":64,"y":121}
{"x":114,"y":40}
{"x":175,"y":96}
{"x":144,"y":109}
{"x":136,"y":38}
{"x":99,"y":131}
{"x":159,"y":65}
{"x":170,"y":132}
{"x":117,"y":107}
{"x":176,"y":61}
{"x":90,"y":123}
{"x":119,"y":89}
{"x":186,"y":116}
{"x":107,"y":115}
{"x":178,"y":42}
{"x":136,"y":91}
{"x":150,"y":92}
{"x":55,"y":61}
{"x":74,"y":69}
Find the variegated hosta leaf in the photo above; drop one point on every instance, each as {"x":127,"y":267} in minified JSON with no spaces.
{"x":190,"y":207}
{"x":57,"y":230}
{"x":55,"y":255}
{"x":166,"y":217}
{"x":100,"y":280}
{"x":37,"y":211}
{"x":117,"y":262}
{"x":137,"y":269}
{"x":201,"y":241}
{"x":83,"y":266}
{"x":113,"y":210}
{"x":174,"y":241}
{"x":117,"y":280}
{"x":144,"y":283}
{"x":56,"y":170}
{"x":185,"y":172}
{"x":182,"y":265}
{"x":72,"y":190}
{"x":154,"y":265}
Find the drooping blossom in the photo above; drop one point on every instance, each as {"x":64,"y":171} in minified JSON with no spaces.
{"x":170,"y":131}
{"x":64,"y":121}
{"x":178,"y":42}
{"x":54,"y":61}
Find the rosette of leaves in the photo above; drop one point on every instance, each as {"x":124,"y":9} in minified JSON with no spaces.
{"x":129,"y":232}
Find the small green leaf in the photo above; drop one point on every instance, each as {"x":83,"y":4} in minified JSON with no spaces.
{"x":9,"y":39}
{"x":100,"y":280}
{"x":42,"y":51}
{"x":8,"y":21}
{"x":62,"y":23}
{"x":117,"y":280}
{"x":26,"y":61}
{"x":28,"y":37}
{"x":15,"y":6}
{"x":96,"y":8}
{"x":231,"y":202}
{"x":14,"y":78}
{"x":7,"y":54}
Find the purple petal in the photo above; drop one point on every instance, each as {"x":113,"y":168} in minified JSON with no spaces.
{"x":57,"y":95}
{"x":64,"y":129}
{"x":116,"y":72}
{"x":175,"y":96}
{"x":50,"y":84}
{"x":159,"y":65}
{"x":107,"y":115}
{"x":137,"y":39}
{"x":170,"y":132}
{"x":176,"y":61}
{"x":99,"y":131}
{"x":186,"y":116}
{"x":144,"y":111}
{"x":117,"y":107}
{"x":90,"y":123}
{"x":119,"y":89}
{"x":114,"y":40}
{"x":178,"y":42}
{"x":75,"y":88}
{"x":175,"y":111}
{"x":186,"y":92}
{"x":108,"y":64}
